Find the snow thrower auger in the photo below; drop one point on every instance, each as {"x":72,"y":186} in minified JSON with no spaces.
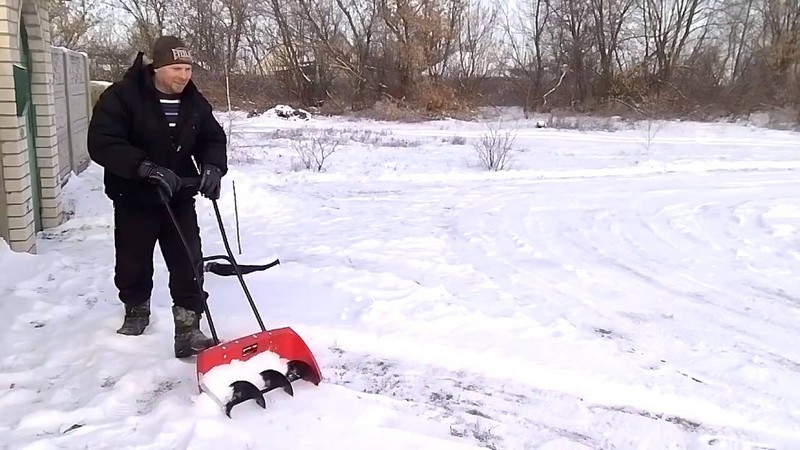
{"x":283,"y":342}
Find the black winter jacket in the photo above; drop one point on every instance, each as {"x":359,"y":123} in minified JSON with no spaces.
{"x":128,"y":126}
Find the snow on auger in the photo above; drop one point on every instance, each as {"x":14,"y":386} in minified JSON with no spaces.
{"x":245,"y":386}
{"x":279,"y":356}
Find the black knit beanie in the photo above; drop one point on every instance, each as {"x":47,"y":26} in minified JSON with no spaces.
{"x":170,"y":50}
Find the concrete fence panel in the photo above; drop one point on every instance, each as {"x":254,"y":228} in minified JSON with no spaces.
{"x":73,"y":109}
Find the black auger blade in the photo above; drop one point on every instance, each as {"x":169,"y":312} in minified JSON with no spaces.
{"x":245,"y":390}
{"x":297,"y":370}
{"x":274,"y":380}
{"x":242,"y":392}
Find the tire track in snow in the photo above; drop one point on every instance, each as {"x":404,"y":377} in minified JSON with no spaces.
{"x":625,"y":280}
{"x":630,"y":272}
{"x":656,"y":270}
{"x":499,"y":414}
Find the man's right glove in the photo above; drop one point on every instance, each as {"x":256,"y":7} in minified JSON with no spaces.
{"x":210,"y":183}
{"x":162,"y":176}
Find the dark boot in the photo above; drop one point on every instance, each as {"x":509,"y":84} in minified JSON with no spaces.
{"x":137,"y":318}
{"x":189,"y":340}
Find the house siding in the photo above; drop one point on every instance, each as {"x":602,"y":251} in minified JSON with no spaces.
{"x":17,"y":215}
{"x":38,"y":27}
{"x":3,"y":207}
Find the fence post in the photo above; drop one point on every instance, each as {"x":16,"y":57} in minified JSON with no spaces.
{"x":61,"y":97}
{"x":88,"y":83}
{"x":68,"y":99}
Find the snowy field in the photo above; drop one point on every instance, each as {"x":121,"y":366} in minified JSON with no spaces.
{"x":635,"y":289}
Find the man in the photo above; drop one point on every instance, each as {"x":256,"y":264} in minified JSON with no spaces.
{"x":148,"y":131}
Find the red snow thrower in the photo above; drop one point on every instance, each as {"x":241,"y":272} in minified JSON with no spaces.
{"x":284,"y":342}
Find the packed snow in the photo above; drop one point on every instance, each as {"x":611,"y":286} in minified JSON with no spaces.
{"x":623,"y":289}
{"x":216,"y":383}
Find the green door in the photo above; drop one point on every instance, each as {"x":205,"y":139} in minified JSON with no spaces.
{"x":30,"y":124}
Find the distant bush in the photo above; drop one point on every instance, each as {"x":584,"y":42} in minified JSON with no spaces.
{"x":97,"y":88}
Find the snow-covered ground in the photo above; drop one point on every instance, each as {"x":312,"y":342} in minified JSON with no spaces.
{"x":614,"y":290}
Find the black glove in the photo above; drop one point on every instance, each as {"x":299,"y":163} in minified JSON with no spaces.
{"x":161,"y":176}
{"x":211,"y":181}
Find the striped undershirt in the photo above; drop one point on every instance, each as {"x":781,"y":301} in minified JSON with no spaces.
{"x":171,"y":105}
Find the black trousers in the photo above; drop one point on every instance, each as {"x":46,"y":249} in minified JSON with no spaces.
{"x":136,"y":231}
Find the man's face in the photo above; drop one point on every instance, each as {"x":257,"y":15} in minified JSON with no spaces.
{"x":173,"y":78}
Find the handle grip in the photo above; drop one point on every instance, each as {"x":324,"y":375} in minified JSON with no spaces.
{"x":190,"y":182}
{"x":186,"y":183}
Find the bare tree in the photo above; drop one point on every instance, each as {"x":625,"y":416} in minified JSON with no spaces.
{"x":215,"y":29}
{"x":478,"y":53}
{"x":782,"y":21}
{"x":421,"y":36}
{"x":525,"y":27}
{"x":259,"y":40}
{"x":647,"y":55}
{"x":344,"y":31}
{"x":441,"y":41}
{"x":149,"y":20}
{"x":70,"y":22}
{"x":292,"y":55}
{"x":609,"y":17}
{"x":740,"y":21}
{"x":668,"y":25}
